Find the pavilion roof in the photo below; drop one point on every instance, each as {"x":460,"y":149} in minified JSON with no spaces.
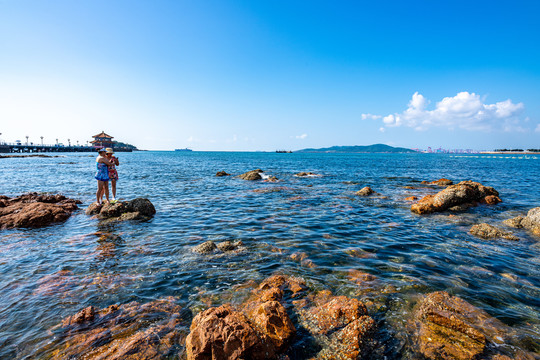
{"x":103,"y":135}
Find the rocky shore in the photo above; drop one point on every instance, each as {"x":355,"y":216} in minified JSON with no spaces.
{"x":272,"y":322}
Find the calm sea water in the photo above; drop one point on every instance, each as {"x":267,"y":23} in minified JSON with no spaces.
{"x":318,"y":216}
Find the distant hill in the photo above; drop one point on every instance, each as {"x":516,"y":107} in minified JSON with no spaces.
{"x":376,"y":148}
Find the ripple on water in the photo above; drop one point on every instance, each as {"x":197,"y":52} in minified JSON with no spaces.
{"x":316,"y":228}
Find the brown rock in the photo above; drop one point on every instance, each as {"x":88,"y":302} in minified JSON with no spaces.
{"x":35,"y":210}
{"x":491,"y":200}
{"x":411,"y":198}
{"x":129,"y":331}
{"x":440,"y":182}
{"x":252,"y":175}
{"x":530,"y":222}
{"x":340,"y":325}
{"x":486,"y":231}
{"x":205,"y":248}
{"x":338,"y":312}
{"x":224,"y":333}
{"x":466,"y":192}
{"x":447,"y":327}
{"x":222,"y":173}
{"x":136,"y":209}
{"x":514,"y":222}
{"x":306,"y":174}
{"x":365,"y":191}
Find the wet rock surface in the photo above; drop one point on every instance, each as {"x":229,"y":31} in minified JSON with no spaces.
{"x":448,"y":327}
{"x":209,"y":247}
{"x":222,"y":173}
{"x":136,"y":209}
{"x":530,"y":222}
{"x":486,"y":231}
{"x":129,"y":331}
{"x":365,"y":191}
{"x":35,"y":210}
{"x":306,"y":174}
{"x":262,"y":327}
{"x":457,"y":197}
{"x":440,"y":182}
{"x":252,"y":175}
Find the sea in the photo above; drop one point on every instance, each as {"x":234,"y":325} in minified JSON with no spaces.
{"x":317,"y":219}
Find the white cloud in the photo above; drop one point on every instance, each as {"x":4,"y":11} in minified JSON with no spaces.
{"x":464,"y":111}
{"x":382,"y":129}
{"x":537,"y":128}
{"x":302,"y":137}
{"x":370,"y":117}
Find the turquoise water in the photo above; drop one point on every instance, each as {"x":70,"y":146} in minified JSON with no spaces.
{"x":50,"y":273}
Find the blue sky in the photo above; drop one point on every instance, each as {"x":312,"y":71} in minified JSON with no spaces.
{"x":266,"y":75}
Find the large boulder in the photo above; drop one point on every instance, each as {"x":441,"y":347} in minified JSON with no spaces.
{"x":252,"y":175}
{"x":486,"y":231}
{"x":448,"y":327}
{"x":222,"y":333}
{"x":530,"y":222}
{"x":459,"y":196}
{"x":136,"y":209}
{"x":35,"y":210}
{"x":129,"y":331}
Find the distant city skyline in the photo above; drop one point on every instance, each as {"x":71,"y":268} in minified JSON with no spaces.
{"x":248,"y":76}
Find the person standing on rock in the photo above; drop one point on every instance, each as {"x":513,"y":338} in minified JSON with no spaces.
{"x":113,"y":174}
{"x":102,"y":176}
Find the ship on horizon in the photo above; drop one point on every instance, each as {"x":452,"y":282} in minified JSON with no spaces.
{"x":185,"y":149}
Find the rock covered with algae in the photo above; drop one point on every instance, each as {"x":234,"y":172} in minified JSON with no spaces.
{"x":136,"y":209}
{"x":458,"y":196}
{"x":448,"y":327}
{"x":129,"y":331}
{"x":487,"y":231}
{"x":35,"y":210}
{"x":251,"y":175}
{"x":530,"y":222}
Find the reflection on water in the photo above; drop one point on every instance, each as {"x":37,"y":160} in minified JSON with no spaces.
{"x":372,"y":248}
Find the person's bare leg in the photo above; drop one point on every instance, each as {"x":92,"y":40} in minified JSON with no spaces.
{"x":113,"y":188}
{"x":106,"y":188}
{"x":98,"y":193}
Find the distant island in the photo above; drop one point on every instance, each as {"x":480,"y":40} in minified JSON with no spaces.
{"x":376,"y":148}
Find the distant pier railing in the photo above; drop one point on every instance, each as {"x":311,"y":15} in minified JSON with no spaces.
{"x":35,"y":148}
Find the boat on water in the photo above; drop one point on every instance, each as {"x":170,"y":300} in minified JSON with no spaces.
{"x":186,"y":149}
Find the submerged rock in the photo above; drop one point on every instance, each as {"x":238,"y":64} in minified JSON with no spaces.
{"x":486,"y":231}
{"x":466,"y":193}
{"x":35,"y":210}
{"x":306,"y":174}
{"x":252,"y":175}
{"x":530,"y":222}
{"x":136,"y":209}
{"x":209,"y":246}
{"x":365,"y":191}
{"x":129,"y":331}
{"x":222,"y":173}
{"x":440,"y":182}
{"x":447,"y":327}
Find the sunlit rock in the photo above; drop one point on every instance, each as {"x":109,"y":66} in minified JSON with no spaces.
{"x":35,"y":210}
{"x":456,"y":197}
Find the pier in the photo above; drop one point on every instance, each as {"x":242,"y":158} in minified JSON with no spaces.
{"x":35,"y":148}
